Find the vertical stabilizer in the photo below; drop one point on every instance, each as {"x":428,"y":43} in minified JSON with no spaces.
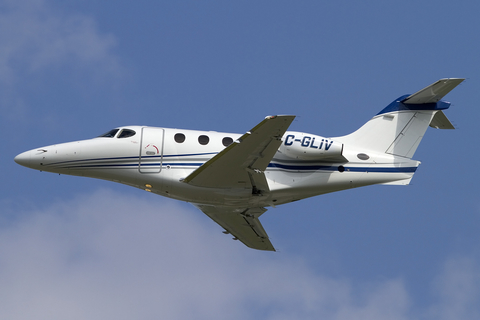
{"x":399,"y":128}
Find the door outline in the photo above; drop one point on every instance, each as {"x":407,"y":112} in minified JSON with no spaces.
{"x":150,"y":143}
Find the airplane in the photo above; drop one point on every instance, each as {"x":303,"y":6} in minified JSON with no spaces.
{"x":232,"y":177}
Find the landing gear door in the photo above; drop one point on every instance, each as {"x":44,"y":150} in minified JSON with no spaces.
{"x":151,"y":150}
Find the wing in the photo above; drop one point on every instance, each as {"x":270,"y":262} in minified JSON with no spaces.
{"x":434,"y":92}
{"x":243,"y":224}
{"x":241,"y":164}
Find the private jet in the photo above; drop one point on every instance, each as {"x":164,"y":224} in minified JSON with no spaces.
{"x":233,"y":178}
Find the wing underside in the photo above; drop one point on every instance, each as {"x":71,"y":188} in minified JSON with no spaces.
{"x":243,"y":224}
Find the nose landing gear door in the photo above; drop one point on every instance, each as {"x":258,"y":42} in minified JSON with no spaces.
{"x":151,"y":150}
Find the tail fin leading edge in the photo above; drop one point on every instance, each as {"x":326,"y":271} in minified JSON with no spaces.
{"x":399,"y":128}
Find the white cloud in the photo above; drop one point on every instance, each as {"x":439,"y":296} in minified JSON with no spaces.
{"x":458,"y":290}
{"x":111,"y":256}
{"x":34,"y":37}
{"x":43,"y":47}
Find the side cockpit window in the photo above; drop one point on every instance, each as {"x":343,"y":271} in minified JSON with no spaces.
{"x":109,"y":134}
{"x":126,"y":133}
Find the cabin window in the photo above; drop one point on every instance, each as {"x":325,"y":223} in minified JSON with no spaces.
{"x":179,"y":137}
{"x":227,"y":141}
{"x":109,"y":134}
{"x":203,"y":140}
{"x":363,"y":156}
{"x":126,"y":133}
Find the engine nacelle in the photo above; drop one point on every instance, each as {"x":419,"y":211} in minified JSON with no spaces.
{"x":299,"y":145}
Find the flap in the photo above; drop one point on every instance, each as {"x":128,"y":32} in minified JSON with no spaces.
{"x":242,"y":164}
{"x":243,"y":224}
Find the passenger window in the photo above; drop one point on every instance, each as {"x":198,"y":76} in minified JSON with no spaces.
{"x":203,"y":140}
{"x":179,"y":137}
{"x":109,"y":134}
{"x":227,"y":141}
{"x":126,"y":133}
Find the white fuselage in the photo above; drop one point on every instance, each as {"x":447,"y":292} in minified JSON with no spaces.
{"x":157,"y":160}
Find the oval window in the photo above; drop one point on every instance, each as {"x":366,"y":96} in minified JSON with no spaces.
{"x":227,"y":141}
{"x":179,"y":137}
{"x":363,"y":156}
{"x":203,"y":140}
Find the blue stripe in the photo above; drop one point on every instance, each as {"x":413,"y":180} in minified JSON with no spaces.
{"x":188,"y":155}
{"x":347,"y":169}
{"x":95,"y":159}
{"x":296,"y":167}
{"x":271,"y":165}
{"x":404,"y":169}
{"x":106,"y":165}
{"x":135,"y":165}
{"x":135,"y":158}
{"x":198,"y":164}
{"x":185,"y":164}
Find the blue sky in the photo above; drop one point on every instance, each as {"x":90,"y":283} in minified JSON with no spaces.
{"x":88,"y":249}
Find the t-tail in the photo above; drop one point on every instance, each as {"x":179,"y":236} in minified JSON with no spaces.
{"x":398,"y":129}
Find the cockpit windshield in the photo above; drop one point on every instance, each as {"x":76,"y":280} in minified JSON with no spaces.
{"x":109,"y":134}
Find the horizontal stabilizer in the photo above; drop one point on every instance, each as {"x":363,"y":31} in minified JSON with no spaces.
{"x":434,"y":92}
{"x":440,"y":121}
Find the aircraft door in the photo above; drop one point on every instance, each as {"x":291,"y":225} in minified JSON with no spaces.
{"x":151,"y":150}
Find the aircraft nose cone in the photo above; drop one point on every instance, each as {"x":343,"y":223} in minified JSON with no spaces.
{"x":31,"y":159}
{"x":24,"y":159}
